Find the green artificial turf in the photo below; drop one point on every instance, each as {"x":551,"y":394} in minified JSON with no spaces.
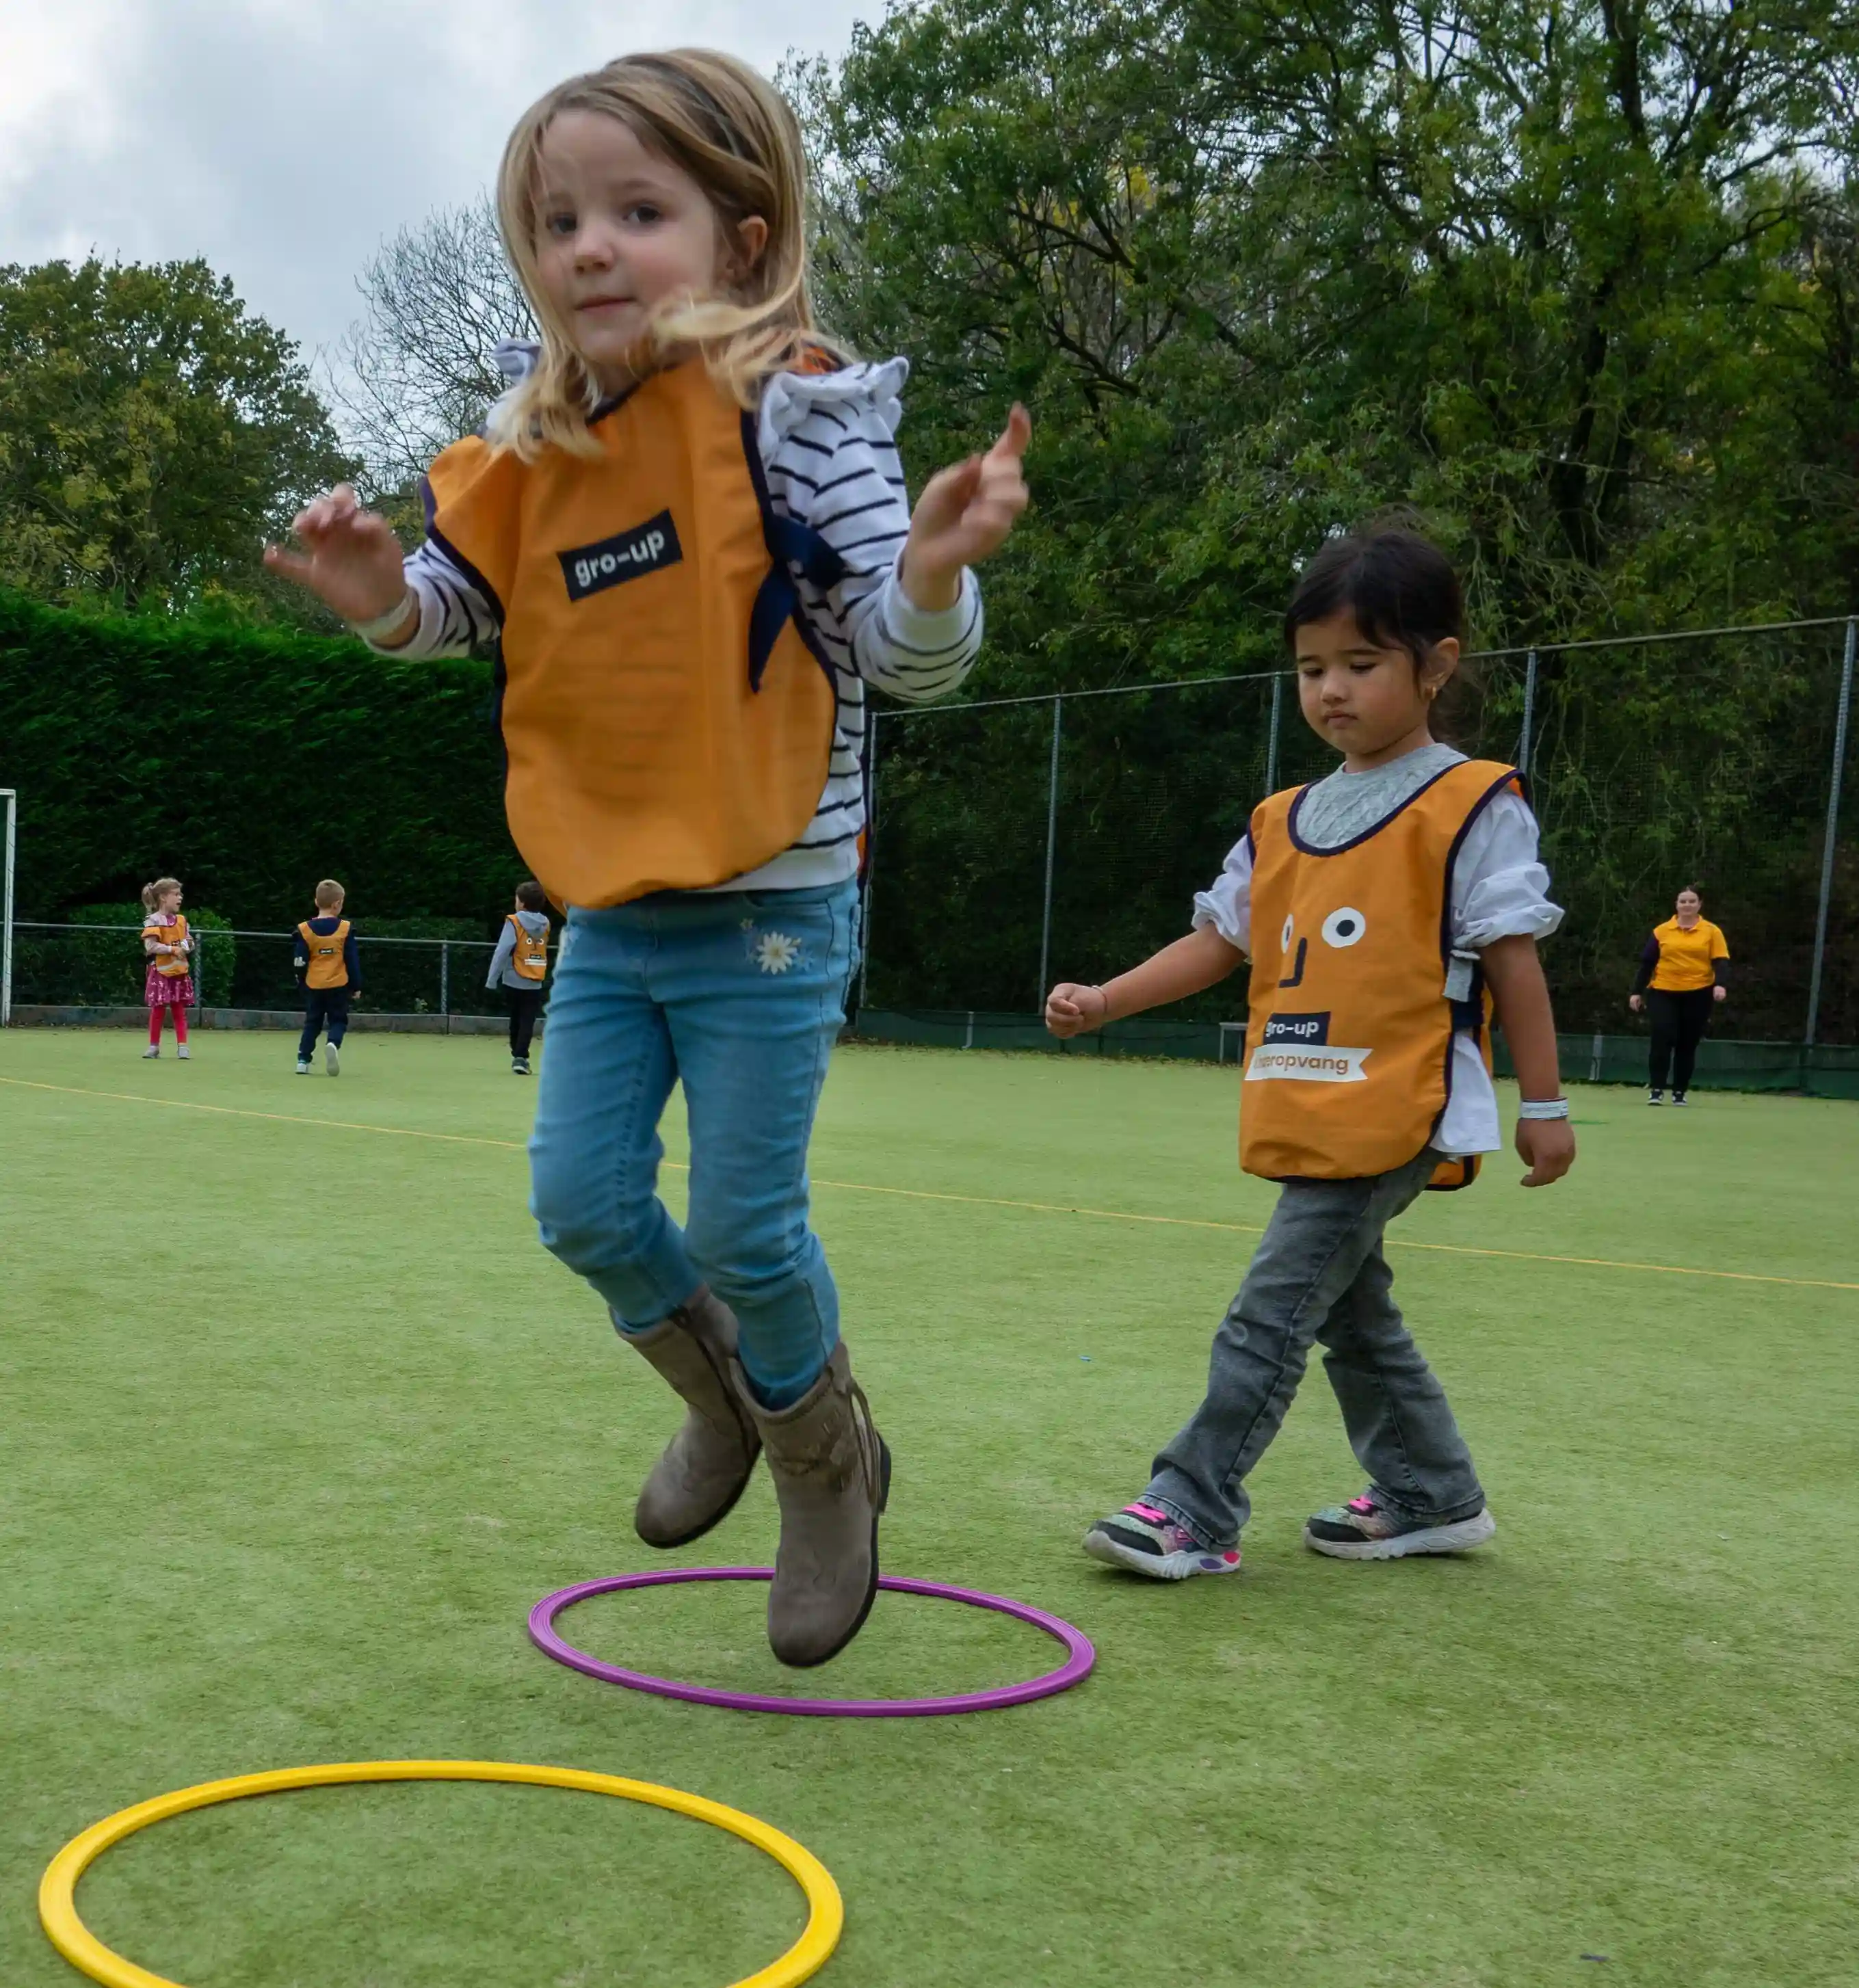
{"x":296,"y":1421}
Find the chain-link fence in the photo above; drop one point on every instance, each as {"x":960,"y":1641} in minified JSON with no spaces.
{"x":103,"y":966}
{"x":1019,"y":841}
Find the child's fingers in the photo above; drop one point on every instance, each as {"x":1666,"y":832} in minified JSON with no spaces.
{"x":948,"y":493}
{"x":1014,"y":437}
{"x":288,"y":565}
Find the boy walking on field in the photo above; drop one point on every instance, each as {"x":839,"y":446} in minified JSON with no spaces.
{"x":520,"y":967}
{"x":329,"y":970}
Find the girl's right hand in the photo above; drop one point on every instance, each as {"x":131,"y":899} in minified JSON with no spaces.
{"x":1073,"y":1010}
{"x":351,"y":561}
{"x":1635,"y":1002}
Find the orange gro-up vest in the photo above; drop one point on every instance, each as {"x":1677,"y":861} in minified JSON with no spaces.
{"x":172,"y":965}
{"x":529,"y":956}
{"x":1349,"y":1042}
{"x":328,"y":962}
{"x":667,"y":724}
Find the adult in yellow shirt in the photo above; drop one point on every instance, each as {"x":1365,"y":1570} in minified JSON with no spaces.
{"x":1684,"y":973}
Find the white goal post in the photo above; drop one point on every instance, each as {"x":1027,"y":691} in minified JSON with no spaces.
{"x":10,"y":798}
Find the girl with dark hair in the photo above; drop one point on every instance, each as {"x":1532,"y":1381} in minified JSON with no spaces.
{"x":1386,"y":909}
{"x":1683,"y":975}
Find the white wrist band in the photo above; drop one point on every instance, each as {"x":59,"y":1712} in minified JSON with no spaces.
{"x":385,"y":624}
{"x":1544,"y":1107}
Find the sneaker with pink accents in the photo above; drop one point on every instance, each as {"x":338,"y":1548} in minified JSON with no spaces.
{"x":1146,"y":1540}
{"x":1367,"y":1528}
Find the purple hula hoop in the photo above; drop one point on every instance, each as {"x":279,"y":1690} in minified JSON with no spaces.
{"x":1079,"y":1655}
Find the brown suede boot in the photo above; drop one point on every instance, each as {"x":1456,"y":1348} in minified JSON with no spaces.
{"x":832,"y":1475}
{"x":706,"y":1466}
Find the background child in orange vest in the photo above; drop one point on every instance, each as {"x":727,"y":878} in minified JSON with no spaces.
{"x":686,"y":524}
{"x":168,"y":986}
{"x":520,"y":967}
{"x":329,"y":970}
{"x":1378,"y":906}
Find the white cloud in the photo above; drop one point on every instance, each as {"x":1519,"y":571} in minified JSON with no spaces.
{"x":282,"y":142}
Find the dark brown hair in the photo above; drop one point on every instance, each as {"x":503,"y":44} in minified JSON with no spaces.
{"x":1403,"y":594}
{"x":531,"y":895}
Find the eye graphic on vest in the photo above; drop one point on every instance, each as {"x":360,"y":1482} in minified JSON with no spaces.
{"x":1344,"y":926}
{"x":1284,"y":937}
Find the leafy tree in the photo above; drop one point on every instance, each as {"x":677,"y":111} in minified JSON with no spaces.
{"x":1576,"y":285}
{"x":1574,"y":282}
{"x":152,"y":435}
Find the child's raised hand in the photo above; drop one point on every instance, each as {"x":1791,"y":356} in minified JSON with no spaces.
{"x":1546,"y":1146}
{"x":964,"y":516}
{"x":1073,"y":1010}
{"x":351,"y":559}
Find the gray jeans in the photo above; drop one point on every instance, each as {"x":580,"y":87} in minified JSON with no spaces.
{"x":1319,"y":1274}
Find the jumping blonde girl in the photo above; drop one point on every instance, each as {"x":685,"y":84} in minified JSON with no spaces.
{"x":685,"y":527}
{"x":168,"y":985}
{"x":1385,"y":908}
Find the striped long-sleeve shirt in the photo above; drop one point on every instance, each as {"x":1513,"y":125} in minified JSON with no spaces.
{"x":828,"y":445}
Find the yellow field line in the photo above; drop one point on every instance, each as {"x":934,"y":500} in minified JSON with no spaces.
{"x":276,"y":1117}
{"x":967,"y":1200}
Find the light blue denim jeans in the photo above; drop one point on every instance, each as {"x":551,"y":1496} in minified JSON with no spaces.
{"x":740,"y":996}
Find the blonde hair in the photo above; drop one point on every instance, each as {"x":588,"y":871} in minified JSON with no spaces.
{"x":153,"y":894}
{"x":329,"y":892}
{"x":737,"y":136}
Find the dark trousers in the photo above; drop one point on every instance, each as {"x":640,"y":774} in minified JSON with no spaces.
{"x":1320,"y":1276}
{"x":1678,"y":1023}
{"x":526,"y":1004}
{"x":324,"y":1007}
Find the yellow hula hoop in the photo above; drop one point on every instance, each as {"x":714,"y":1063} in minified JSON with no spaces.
{"x":57,"y":1889}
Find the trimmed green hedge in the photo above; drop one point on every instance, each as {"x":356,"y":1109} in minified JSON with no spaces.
{"x":249,"y":765}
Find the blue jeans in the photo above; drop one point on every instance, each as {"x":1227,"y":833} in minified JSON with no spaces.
{"x":740,"y":996}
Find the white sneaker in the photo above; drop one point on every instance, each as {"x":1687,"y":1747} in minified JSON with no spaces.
{"x":303,"y":1068}
{"x":181,"y":1051}
{"x":332,"y":1058}
{"x":150,"y":1051}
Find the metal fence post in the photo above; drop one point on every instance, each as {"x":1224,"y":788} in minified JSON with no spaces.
{"x":1051,"y":832}
{"x":6,"y":910}
{"x":1841,"y":718}
{"x":1271,"y":736}
{"x":445,"y":981}
{"x":1526,"y":744}
{"x":871,"y":851}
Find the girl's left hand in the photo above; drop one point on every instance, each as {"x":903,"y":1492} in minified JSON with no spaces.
{"x":964,"y":516}
{"x":1720,"y":993}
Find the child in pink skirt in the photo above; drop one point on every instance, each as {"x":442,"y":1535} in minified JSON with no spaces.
{"x":168,"y":987}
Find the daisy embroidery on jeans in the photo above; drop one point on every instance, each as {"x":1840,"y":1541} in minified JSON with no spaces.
{"x":775,"y":952}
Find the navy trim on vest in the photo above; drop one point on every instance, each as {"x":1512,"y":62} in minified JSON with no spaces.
{"x":430,"y":506}
{"x":790,"y":544}
{"x":1473,"y":1010}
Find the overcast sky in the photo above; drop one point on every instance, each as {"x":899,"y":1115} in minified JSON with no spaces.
{"x":282,"y":142}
